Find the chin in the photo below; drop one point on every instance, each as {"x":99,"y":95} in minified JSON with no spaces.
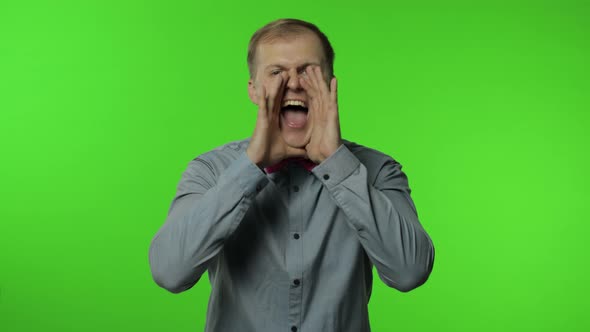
{"x":296,"y":139}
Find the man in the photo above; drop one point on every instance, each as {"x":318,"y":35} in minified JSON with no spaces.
{"x":290,"y":222}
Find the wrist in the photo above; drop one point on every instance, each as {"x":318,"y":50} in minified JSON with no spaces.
{"x":330,"y":151}
{"x":254,"y":159}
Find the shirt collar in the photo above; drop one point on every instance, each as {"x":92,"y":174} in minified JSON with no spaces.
{"x":306,"y":163}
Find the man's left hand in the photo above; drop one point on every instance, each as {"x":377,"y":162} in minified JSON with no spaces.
{"x":323,"y":115}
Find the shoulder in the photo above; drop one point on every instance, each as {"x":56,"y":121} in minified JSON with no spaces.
{"x":368,"y":156}
{"x":218,"y":159}
{"x":379,"y":165}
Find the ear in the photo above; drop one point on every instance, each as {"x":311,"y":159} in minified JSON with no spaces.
{"x":252,"y":92}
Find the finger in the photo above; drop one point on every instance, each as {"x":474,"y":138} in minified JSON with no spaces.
{"x":261,"y":100}
{"x":322,"y":84}
{"x":281,"y":92}
{"x":334,"y":90}
{"x":273,"y":91}
{"x":307,"y":86}
{"x":311,"y":75}
{"x":321,"y":91}
{"x":311,"y":80}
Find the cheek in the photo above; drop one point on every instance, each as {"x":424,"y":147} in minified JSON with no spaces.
{"x":257,"y":87}
{"x":262,"y":83}
{"x":266,"y":85}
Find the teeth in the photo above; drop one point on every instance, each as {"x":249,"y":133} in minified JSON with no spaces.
{"x":294,"y":103}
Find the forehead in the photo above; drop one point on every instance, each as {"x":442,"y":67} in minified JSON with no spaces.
{"x":290,"y":50}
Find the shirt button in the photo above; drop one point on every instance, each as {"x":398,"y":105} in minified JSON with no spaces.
{"x":296,"y":236}
{"x":258,"y":188}
{"x":295,"y":189}
{"x":294,"y":328}
{"x":296,"y":282}
{"x":326,"y":176}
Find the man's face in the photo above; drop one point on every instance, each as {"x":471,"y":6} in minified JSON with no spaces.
{"x":289,"y":57}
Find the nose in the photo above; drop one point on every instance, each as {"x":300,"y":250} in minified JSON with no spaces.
{"x":293,"y":83}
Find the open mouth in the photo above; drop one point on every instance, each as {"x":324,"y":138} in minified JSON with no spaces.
{"x":294,"y":112}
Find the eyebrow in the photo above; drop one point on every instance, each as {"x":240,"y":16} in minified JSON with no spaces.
{"x":281,"y":67}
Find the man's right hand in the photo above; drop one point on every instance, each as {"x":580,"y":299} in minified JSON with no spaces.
{"x":267,"y":146}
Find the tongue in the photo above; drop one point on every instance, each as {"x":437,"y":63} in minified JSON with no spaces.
{"x":295,"y":119}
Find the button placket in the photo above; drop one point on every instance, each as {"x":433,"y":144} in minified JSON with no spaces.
{"x":294,"y":247}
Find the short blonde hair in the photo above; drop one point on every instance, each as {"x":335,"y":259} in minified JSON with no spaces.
{"x":284,"y":28}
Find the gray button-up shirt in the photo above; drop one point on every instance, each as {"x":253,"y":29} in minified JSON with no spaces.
{"x":292,"y":250}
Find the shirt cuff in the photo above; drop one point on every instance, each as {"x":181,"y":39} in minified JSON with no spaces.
{"x":249,"y":176}
{"x":337,"y":167}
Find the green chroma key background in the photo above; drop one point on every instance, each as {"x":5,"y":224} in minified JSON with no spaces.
{"x":104,"y":103}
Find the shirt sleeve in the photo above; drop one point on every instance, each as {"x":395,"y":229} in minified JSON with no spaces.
{"x":384,"y":216}
{"x":204,"y":212}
